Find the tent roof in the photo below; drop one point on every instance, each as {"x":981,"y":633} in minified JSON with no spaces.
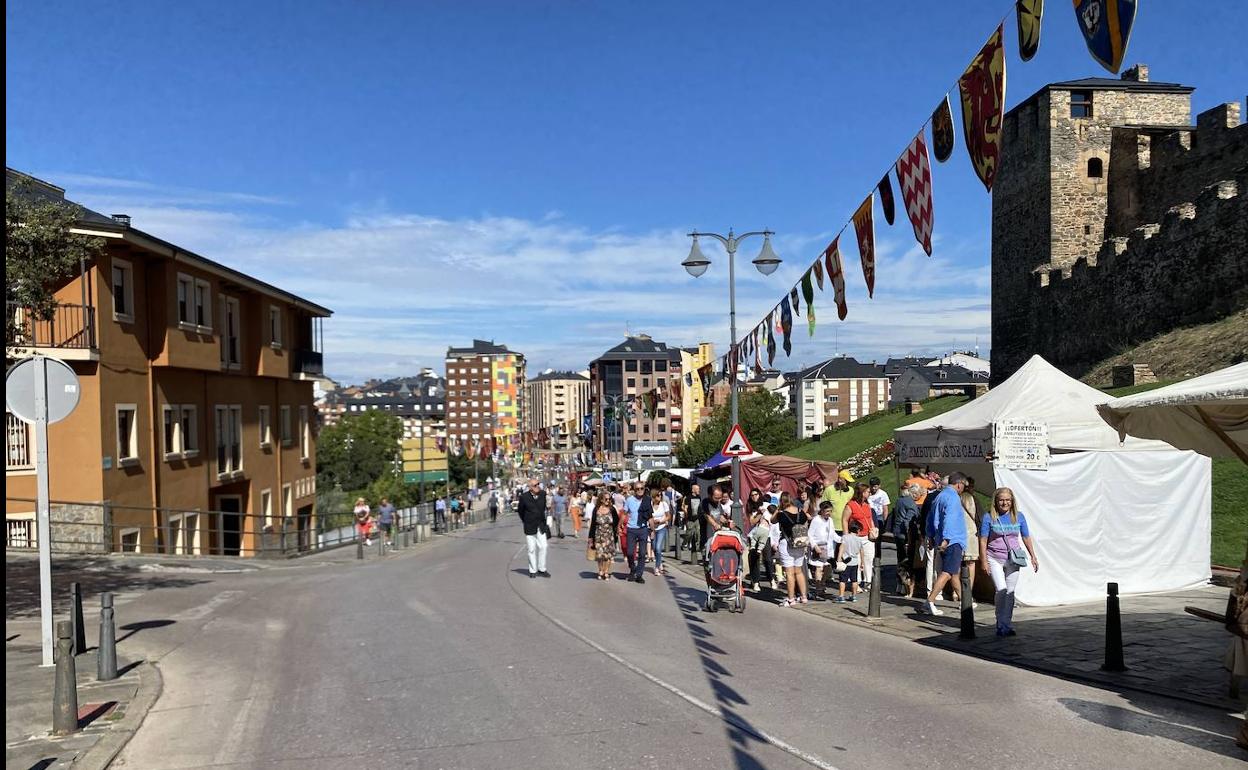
{"x":1181,"y":414}
{"x":1038,"y":392}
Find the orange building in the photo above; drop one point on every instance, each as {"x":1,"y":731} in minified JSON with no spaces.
{"x":195,"y":432}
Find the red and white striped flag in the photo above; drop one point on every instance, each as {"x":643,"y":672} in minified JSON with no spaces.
{"x":914,"y":177}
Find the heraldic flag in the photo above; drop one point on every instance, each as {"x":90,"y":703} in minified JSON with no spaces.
{"x":786,"y":324}
{"x":942,"y":131}
{"x":808,"y":291}
{"x":983,"y":108}
{"x":797,"y":304}
{"x":836,"y":274}
{"x":864,"y":226}
{"x":914,"y":176}
{"x":771,"y":341}
{"x":885,"y":189}
{"x":819,"y":273}
{"x":1029,"y":14}
{"x":1106,"y":27}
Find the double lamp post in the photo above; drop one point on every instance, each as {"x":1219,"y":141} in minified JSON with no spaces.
{"x":696,"y":264}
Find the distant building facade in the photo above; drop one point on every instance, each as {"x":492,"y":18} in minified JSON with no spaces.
{"x":622,"y":374}
{"x":558,"y":399}
{"x":485,"y":395}
{"x":922,"y":382}
{"x":835,"y":392}
{"x":419,"y":402}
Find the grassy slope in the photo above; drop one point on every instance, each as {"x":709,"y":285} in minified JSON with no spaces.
{"x":1230,"y":476}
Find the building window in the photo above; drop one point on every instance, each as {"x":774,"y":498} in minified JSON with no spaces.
{"x":275,"y":326}
{"x":172,"y":431}
{"x":834,"y":398}
{"x":1081,"y":104}
{"x":190,"y":430}
{"x":186,"y":299}
{"x":660,"y":366}
{"x":203,"y":305}
{"x":646,"y":367}
{"x":229,"y":425}
{"x":662,"y":429}
{"x":231,"y":351}
{"x":287,"y":435}
{"x":305,"y":434}
{"x":266,"y":507}
{"x":127,"y":434}
{"x":630,"y":366}
{"x":288,"y":509}
{"x":632,"y":382}
{"x":1096,"y":168}
{"x":266,"y":426}
{"x":19,"y":443}
{"x":123,"y":291}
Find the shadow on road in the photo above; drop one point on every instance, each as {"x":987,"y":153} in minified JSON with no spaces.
{"x":1156,"y":725}
{"x":96,"y":575}
{"x":134,"y":628}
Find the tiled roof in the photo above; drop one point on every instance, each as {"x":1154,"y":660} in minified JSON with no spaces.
{"x":842,"y":368}
{"x":953,"y":375}
{"x":558,"y":376}
{"x":479,"y":348}
{"x":641,"y":347}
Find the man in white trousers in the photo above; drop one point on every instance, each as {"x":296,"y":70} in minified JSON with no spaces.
{"x":532,"y":512}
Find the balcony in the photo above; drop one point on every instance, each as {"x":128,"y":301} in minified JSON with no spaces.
{"x":309,"y":362}
{"x":70,"y":331}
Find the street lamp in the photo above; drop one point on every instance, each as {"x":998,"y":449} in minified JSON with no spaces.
{"x":696,"y":264}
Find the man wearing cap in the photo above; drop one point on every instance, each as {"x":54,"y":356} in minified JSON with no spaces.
{"x":839,"y":494}
{"x":947,"y":534}
{"x":532,"y":512}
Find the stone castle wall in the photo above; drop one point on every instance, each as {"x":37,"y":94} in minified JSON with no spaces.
{"x":1190,"y":268}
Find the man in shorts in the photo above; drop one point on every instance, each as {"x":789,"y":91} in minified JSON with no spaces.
{"x":385,"y":517}
{"x":948,"y":534}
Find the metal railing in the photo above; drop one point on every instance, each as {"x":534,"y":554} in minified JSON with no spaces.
{"x":18,"y":444}
{"x":92,"y":527}
{"x":309,"y":361}
{"x":70,"y":326}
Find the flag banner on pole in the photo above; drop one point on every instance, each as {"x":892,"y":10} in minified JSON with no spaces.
{"x":942,"y":131}
{"x":674,"y":391}
{"x":983,"y":108}
{"x":819,"y":273}
{"x":771,"y":340}
{"x":1029,"y":14}
{"x":808,"y":291}
{"x":704,"y":376}
{"x":1106,"y":27}
{"x":797,"y":305}
{"x":885,"y":189}
{"x":914,"y":177}
{"x":864,"y":227}
{"x":786,"y":325}
{"x":836,"y":274}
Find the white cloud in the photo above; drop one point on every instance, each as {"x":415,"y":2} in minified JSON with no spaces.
{"x":404,"y":286}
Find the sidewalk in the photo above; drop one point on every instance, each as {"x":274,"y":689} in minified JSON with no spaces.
{"x":1167,"y":651}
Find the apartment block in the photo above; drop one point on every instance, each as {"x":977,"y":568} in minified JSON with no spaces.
{"x":556,"y":399}
{"x":622,"y":375}
{"x":195,"y":431}
{"x":485,"y":395}
{"x":419,"y":402}
{"x":835,"y":392}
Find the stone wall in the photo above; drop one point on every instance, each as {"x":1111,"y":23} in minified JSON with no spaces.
{"x":81,"y":528}
{"x":1190,"y":268}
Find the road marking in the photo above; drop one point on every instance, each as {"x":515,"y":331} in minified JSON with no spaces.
{"x":692,"y":700}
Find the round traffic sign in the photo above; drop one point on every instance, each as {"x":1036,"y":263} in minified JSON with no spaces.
{"x":61,"y":387}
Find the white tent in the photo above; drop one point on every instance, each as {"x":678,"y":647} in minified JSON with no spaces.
{"x":1134,"y":512}
{"x":1208,"y":414}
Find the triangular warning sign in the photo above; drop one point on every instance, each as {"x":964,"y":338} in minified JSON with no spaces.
{"x":737,"y":444}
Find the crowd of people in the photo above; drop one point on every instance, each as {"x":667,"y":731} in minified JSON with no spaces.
{"x":819,"y":544}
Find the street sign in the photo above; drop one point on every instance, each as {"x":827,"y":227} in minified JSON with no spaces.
{"x":42,"y":390}
{"x":649,"y":448}
{"x":654,"y":463}
{"x":737,"y":444}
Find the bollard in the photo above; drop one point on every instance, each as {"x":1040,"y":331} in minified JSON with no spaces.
{"x":359,"y":547}
{"x":106,"y":653}
{"x":65,"y":691}
{"x":381,"y":545}
{"x":1113,"y":631}
{"x":968,"y":612}
{"x":75,"y":617}
{"x":873,"y":598}
{"x":405,"y":536}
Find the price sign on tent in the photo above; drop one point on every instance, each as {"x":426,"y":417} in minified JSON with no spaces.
{"x":737,"y":444}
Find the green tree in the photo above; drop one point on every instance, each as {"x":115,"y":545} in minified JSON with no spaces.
{"x":391,"y":486}
{"x":765,"y":418}
{"x":359,"y":449}
{"x":39,"y":252}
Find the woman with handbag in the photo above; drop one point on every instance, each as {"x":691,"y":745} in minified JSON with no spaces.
{"x":659,"y":520}
{"x":1004,"y":547}
{"x":859,"y":509}
{"x":794,"y":539}
{"x":603,"y":523}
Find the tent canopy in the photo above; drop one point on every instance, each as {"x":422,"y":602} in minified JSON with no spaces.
{"x":1208,"y":414}
{"x":718,"y":459}
{"x":1037,"y":392}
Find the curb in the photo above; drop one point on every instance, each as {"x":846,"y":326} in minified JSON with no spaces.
{"x":110,"y":744}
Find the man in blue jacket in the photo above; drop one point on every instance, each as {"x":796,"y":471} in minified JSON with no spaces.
{"x":639,"y":511}
{"x":947,"y":532}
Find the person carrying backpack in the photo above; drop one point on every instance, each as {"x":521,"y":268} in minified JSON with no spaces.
{"x":794,"y":540}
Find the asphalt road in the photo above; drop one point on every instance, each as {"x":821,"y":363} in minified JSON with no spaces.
{"x":454,"y":658}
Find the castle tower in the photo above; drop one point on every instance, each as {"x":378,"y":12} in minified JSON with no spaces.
{"x":1050,"y":201}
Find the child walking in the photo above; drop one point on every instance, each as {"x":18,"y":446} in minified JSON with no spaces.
{"x":848,"y":558}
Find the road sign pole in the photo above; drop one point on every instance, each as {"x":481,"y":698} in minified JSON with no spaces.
{"x":42,"y":493}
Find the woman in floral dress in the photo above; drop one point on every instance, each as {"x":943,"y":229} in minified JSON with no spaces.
{"x":603,"y":523}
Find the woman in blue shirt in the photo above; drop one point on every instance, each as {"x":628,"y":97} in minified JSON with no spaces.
{"x":1004,"y":542}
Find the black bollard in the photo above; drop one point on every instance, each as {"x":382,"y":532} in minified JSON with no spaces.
{"x":65,"y":691}
{"x":968,"y":611}
{"x":75,"y":617}
{"x":359,"y":547}
{"x":1113,"y":631}
{"x":873,"y":597}
{"x":106,"y":653}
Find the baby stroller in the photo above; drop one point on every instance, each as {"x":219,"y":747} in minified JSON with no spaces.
{"x":725,"y":560}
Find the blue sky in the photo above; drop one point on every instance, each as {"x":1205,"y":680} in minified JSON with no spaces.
{"x":526,"y":171}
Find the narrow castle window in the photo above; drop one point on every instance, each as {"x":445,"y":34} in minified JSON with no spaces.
{"x":1081,"y":104}
{"x":1096,"y":168}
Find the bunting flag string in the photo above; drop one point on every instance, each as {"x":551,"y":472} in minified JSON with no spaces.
{"x":819,"y":273}
{"x":983,"y":108}
{"x":942,"y":131}
{"x":864,"y":227}
{"x":1030,"y":12}
{"x":704,"y":377}
{"x":758,"y":357}
{"x":771,"y":341}
{"x":797,"y":305}
{"x":836,"y":274}
{"x":786,"y":326}
{"x":885,"y":189}
{"x":808,"y":292}
{"x":914,"y":177}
